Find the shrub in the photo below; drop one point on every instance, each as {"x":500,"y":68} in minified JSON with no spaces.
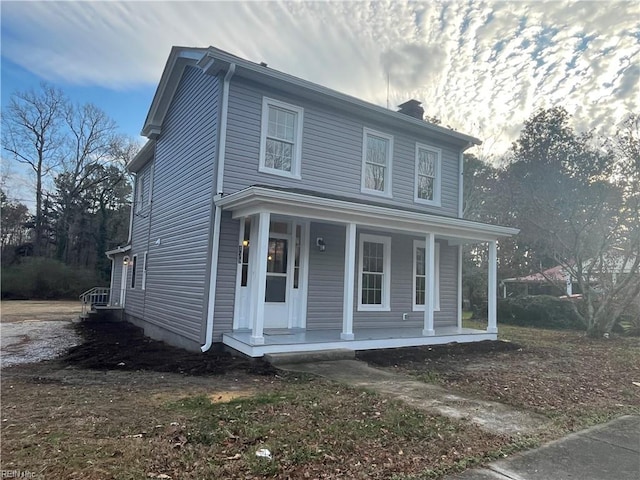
{"x":38,"y":278}
{"x":543,"y":311}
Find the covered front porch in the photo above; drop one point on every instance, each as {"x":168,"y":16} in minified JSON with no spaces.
{"x":318,"y":273}
{"x":301,"y":340}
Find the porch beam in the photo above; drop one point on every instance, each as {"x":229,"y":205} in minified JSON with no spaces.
{"x":430,"y":284}
{"x":492,"y":288}
{"x":349,"y":281}
{"x":259,"y":278}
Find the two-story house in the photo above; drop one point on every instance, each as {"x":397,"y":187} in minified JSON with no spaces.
{"x":276,"y":215}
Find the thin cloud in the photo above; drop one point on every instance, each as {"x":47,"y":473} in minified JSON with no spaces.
{"x":482,"y":67}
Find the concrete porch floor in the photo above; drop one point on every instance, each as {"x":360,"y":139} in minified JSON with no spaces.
{"x":297,"y":340}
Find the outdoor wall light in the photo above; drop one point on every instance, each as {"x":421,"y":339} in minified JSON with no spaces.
{"x":125,"y":261}
{"x":320,"y":244}
{"x":245,"y":243}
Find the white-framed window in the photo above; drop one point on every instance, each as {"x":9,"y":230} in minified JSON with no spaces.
{"x":281,"y":138}
{"x":134,"y":266}
{"x":374,"y":271}
{"x":143,"y":284}
{"x":377,"y":153}
{"x":140,"y":196}
{"x":420,"y":278}
{"x":428,"y":163}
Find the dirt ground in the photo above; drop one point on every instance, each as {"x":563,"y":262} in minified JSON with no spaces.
{"x":31,"y":331}
{"x":121,"y":406}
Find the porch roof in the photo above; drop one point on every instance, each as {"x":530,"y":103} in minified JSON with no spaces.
{"x":318,"y":206}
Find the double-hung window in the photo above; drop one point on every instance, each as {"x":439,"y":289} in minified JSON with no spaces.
{"x":427,"y":186}
{"x":377,"y":151}
{"x":134,"y":266}
{"x":281,"y":138}
{"x":141,"y":195}
{"x":374,"y":272}
{"x":420,"y":277}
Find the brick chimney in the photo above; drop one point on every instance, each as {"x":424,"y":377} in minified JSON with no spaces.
{"x":412,"y":108}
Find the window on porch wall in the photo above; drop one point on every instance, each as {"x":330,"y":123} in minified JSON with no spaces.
{"x":374,"y":286}
{"x":420,"y":278}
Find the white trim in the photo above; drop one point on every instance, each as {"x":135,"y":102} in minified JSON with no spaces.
{"x":492,"y":289}
{"x":134,"y":271}
{"x":140,"y":177}
{"x":215,"y":244}
{"x":385,"y":306}
{"x":297,"y":150}
{"x":436,"y":202}
{"x":422,"y":244}
{"x":349,"y":281}
{"x":459,"y":293}
{"x":252,"y":200}
{"x":143,"y":283}
{"x":258,"y":276}
{"x":260,"y":350}
{"x":461,"y":185}
{"x":387,"y":192}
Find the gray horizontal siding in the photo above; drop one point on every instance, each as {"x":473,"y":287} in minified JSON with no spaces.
{"x":326,"y":283}
{"x":227,"y":268}
{"x":331,"y":152}
{"x":179,"y":235}
{"x":326,"y":277}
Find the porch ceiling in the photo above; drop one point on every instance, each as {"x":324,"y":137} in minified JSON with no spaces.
{"x":312,"y":205}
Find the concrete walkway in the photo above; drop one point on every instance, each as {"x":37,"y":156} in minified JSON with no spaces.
{"x":605,"y":452}
{"x":490,"y":416}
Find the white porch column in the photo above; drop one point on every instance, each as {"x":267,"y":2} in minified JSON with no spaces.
{"x":492,"y":293}
{"x":459,"y":296}
{"x":349,"y":282}
{"x":430,"y":284}
{"x":259,"y":278}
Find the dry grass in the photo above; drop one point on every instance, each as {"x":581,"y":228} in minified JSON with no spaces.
{"x":138,"y":425}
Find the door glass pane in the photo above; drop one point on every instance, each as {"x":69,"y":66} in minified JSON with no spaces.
{"x":277,"y":257}
{"x":276,"y":288}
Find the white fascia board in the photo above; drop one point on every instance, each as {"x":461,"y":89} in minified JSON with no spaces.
{"x":142,"y":157}
{"x":115,"y":251}
{"x":178,"y":59}
{"x":254,"y":200}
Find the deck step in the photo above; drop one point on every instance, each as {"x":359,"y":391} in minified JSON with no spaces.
{"x":310,"y":357}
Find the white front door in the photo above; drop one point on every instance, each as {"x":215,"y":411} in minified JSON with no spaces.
{"x":278,"y":282}
{"x":286,"y":276}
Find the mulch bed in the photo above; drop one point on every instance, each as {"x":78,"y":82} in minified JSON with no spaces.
{"x":122,"y":346}
{"x":419,"y":355}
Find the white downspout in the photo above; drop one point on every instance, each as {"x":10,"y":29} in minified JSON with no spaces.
{"x":461,"y":185}
{"x":213,"y":277}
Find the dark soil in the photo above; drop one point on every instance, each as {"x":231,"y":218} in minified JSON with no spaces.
{"x":122,"y":346}
{"x":409,"y":356}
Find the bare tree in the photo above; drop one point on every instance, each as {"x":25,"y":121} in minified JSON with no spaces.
{"x":31,"y":133}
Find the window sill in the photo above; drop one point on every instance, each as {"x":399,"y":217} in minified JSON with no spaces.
{"x":431,"y":203}
{"x":377,"y":193}
{"x":373,"y":308}
{"x":279,"y":173}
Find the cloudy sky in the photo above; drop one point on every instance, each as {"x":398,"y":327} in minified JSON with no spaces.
{"x":482,"y":67}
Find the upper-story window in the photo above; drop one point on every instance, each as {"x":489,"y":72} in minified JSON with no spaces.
{"x":281,"y":138}
{"x":427,"y":187}
{"x":377,"y":151}
{"x":142,"y":193}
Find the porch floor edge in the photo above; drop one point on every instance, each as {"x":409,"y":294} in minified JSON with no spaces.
{"x":246,"y":348}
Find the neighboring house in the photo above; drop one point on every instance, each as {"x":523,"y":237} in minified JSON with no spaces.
{"x":553,"y":281}
{"x":275,"y":215}
{"x":603,"y":273}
